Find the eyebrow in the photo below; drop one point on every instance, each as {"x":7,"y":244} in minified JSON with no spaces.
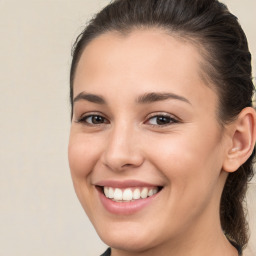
{"x":89,"y":97}
{"x":154,"y":97}
{"x":143,"y":99}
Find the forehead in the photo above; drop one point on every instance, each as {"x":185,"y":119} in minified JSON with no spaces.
{"x":141,"y":48}
{"x":142,"y":60}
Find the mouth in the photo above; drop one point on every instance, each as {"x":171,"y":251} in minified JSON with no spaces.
{"x":126,"y":195}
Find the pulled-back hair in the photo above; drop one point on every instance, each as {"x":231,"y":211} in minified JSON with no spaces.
{"x":222,"y":43}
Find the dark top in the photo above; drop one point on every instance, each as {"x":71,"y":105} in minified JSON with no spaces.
{"x":239,"y":249}
{"x":107,"y":252}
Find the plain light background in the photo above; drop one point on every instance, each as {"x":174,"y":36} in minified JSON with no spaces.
{"x":39,"y":212}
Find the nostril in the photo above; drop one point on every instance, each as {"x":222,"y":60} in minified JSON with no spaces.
{"x":119,"y":155}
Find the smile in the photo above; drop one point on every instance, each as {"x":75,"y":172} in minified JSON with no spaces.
{"x":126,"y":198}
{"x":129,"y":194}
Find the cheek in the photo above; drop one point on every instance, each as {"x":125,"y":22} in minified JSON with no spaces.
{"x":189,"y":161}
{"x":192,"y":172}
{"x":82,"y":156}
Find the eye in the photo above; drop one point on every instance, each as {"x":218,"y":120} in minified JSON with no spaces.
{"x":161,"y":120}
{"x":93,"y":120}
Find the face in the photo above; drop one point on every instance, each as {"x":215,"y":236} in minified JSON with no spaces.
{"x":146,"y":148}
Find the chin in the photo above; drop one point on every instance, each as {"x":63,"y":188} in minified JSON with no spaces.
{"x":131,"y":244}
{"x":132,"y":239}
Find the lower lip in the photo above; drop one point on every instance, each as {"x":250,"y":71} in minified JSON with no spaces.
{"x":125,"y":208}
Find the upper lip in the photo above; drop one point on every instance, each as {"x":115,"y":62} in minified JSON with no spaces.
{"x":125,"y":184}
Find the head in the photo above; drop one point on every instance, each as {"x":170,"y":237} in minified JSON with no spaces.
{"x":205,"y":39}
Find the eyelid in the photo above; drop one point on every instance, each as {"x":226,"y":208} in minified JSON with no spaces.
{"x":84,"y":116}
{"x":155,"y":114}
{"x":174,"y":119}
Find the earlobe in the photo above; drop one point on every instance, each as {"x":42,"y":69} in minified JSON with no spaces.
{"x":243,"y":136}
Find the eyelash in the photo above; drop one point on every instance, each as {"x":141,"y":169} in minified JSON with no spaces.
{"x":83,"y":119}
{"x":170,"y":120}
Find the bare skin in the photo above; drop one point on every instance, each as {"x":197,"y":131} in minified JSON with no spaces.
{"x":143,"y":113}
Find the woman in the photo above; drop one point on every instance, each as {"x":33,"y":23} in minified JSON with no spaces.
{"x":163,"y":130}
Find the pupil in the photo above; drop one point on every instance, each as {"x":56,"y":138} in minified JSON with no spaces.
{"x":97,"y":120}
{"x":163,"y":120}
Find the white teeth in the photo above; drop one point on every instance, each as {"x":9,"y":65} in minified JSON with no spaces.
{"x":144,"y":193}
{"x":128,"y":194}
{"x":118,"y":195}
{"x":110,"y":193}
{"x":106,"y":191}
{"x":155,"y":190}
{"x":136,"y":194}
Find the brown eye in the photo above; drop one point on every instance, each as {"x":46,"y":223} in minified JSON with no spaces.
{"x":94,"y":120}
{"x":161,"y":120}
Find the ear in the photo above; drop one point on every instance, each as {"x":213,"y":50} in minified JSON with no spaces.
{"x":242,"y":135}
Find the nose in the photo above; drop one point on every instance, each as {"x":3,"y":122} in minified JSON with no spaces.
{"x":122,"y":149}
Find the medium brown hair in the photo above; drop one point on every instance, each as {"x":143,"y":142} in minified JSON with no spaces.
{"x":227,"y":65}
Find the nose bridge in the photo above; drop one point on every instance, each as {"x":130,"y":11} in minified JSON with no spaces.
{"x":122,"y":147}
